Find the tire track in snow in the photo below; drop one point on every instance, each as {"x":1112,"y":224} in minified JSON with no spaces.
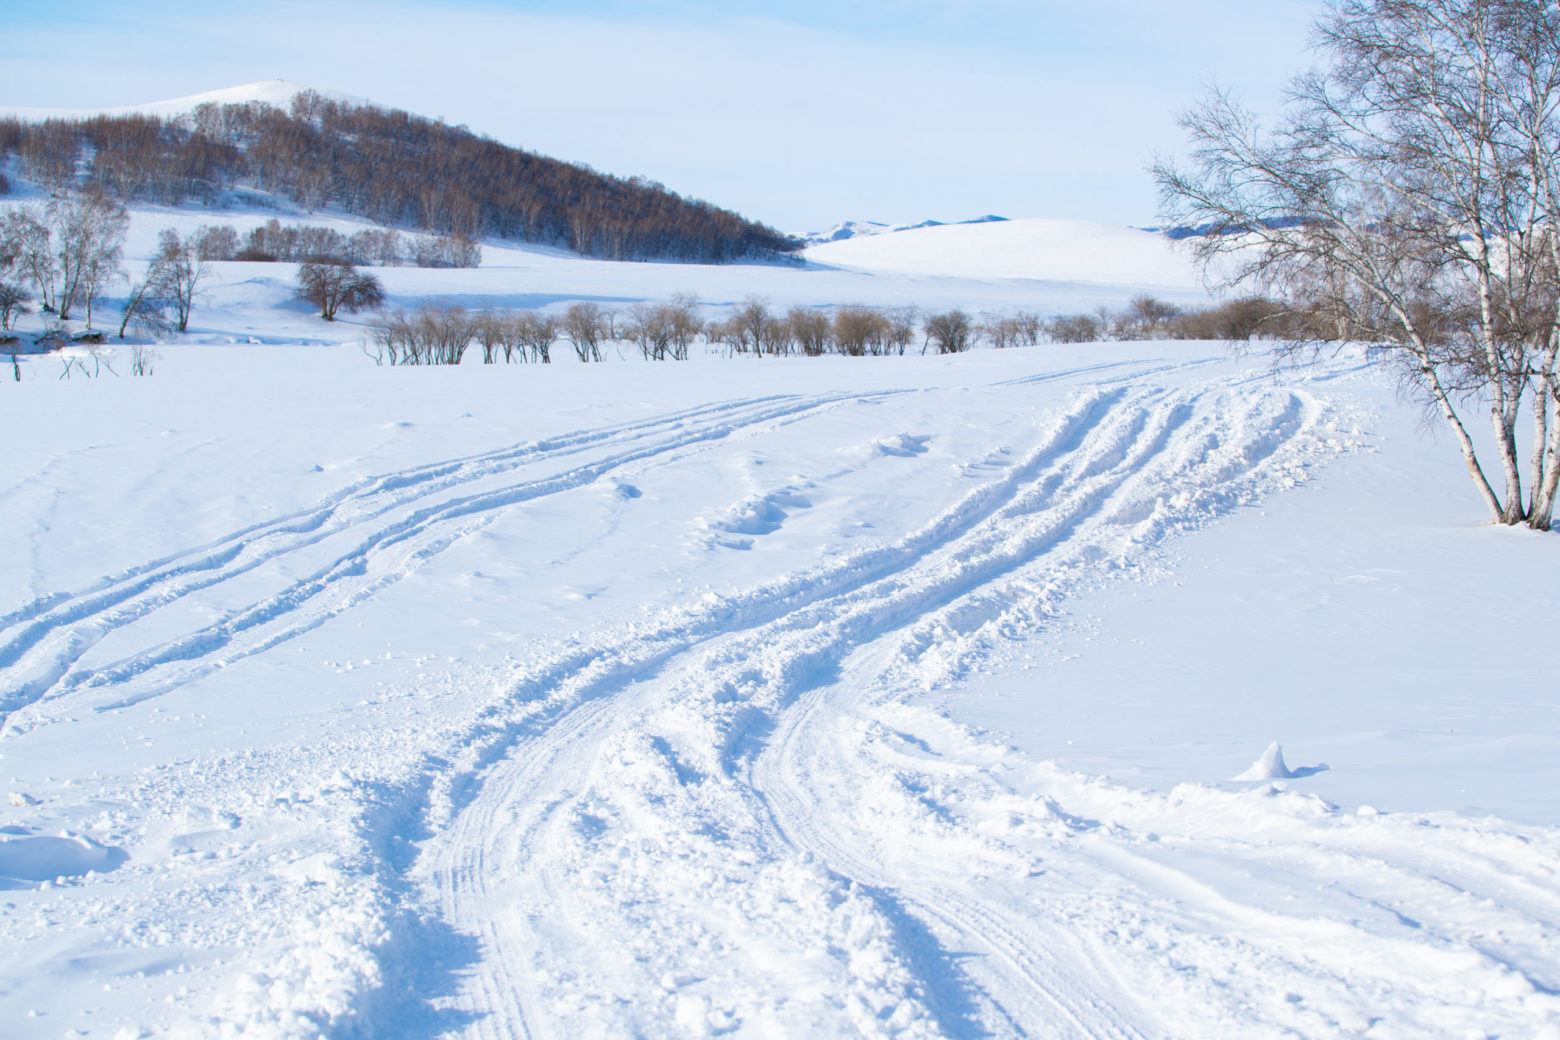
{"x":585,"y":835}
{"x":532,"y":765}
{"x":391,"y":524}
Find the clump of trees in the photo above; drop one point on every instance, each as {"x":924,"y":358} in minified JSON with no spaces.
{"x":388,"y":166}
{"x":335,"y":285}
{"x":68,"y":249}
{"x":952,"y":333}
{"x":1410,"y":196}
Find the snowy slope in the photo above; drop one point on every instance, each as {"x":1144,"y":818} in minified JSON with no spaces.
{"x":862,"y":228}
{"x":1034,"y":249}
{"x":779,"y":697}
{"x":275,"y":92}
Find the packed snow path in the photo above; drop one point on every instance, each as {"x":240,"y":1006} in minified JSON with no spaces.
{"x":733,"y":810}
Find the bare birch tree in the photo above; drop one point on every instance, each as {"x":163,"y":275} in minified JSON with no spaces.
{"x":1410,"y":195}
{"x":182,"y":269}
{"x":91,"y":234}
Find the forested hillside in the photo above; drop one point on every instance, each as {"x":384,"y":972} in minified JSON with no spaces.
{"x":387,"y":165}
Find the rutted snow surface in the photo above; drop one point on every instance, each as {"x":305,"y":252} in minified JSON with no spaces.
{"x":621,"y":728}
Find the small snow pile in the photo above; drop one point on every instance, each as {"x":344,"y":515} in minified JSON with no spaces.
{"x":1269,"y":767}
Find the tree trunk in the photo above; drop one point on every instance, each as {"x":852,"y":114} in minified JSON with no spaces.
{"x":1541,"y":516}
{"x":1542,"y":462}
{"x":1514,"y":510}
{"x":1464,"y":444}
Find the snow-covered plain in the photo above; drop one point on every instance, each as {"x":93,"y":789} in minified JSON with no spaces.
{"x":802,"y":697}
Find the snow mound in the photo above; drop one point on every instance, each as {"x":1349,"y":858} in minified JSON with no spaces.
{"x":278,"y":92}
{"x":1269,"y":767}
{"x":1042,"y":249}
{"x":49,"y":858}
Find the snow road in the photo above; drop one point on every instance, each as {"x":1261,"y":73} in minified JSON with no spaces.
{"x":625,"y":726}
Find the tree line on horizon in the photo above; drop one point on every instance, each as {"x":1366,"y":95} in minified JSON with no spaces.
{"x":391,"y":167}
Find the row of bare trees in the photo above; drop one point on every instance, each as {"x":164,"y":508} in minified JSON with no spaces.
{"x":1145,"y":317}
{"x":667,"y":330}
{"x":276,"y":242}
{"x":442,"y":335}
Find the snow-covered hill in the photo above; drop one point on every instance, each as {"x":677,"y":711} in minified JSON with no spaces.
{"x":862,"y":228}
{"x":1035,"y":249}
{"x":780,"y":697}
{"x":275,"y":92}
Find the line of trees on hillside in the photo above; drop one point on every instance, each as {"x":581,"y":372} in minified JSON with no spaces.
{"x":391,"y":167}
{"x":276,"y":242}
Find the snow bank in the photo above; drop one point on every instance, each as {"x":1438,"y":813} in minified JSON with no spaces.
{"x":1031,"y":249}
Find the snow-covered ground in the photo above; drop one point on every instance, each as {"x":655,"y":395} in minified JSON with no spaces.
{"x":802,"y":697}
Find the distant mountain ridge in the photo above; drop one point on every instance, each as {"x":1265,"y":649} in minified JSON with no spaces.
{"x":862,"y":228}
{"x":317,"y":151}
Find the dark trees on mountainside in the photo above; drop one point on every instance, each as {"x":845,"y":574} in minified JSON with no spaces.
{"x":390,"y":167}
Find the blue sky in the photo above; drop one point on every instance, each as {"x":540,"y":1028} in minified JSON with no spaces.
{"x":798,"y":113}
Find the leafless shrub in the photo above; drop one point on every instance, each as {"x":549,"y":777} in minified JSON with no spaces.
{"x":491,"y":332}
{"x":1073,"y":328}
{"x":899,"y":325}
{"x":951,"y":333}
{"x":586,"y":325}
{"x":682,"y":312}
{"x":775,"y":336}
{"x":537,"y":332}
{"x":810,"y":330}
{"x":335,"y":286}
{"x":142,"y":358}
{"x":651,"y":329}
{"x":859,"y":331}
{"x":745,"y":326}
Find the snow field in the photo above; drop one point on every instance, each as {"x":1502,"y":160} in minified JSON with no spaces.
{"x":635,"y":700}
